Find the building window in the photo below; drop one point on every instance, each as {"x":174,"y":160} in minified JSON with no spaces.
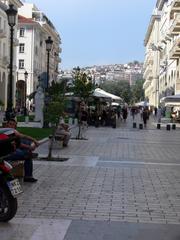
{"x":21,"y":63}
{"x":21,"y":47}
{"x":21,"y":32}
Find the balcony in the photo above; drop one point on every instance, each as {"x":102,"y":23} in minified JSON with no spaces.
{"x":3,"y":33}
{"x":148,"y":60}
{"x":175,"y":26}
{"x":147,"y":73}
{"x":175,"y":8}
{"x":175,"y":50}
{"x":147,"y":83}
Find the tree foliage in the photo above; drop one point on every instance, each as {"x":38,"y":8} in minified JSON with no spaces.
{"x":137,"y":91}
{"x":121,"y":89}
{"x":130,"y":94}
{"x":54,"y":102}
{"x":82,"y":85}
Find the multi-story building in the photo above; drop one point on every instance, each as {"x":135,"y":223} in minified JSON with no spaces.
{"x":161,"y":65}
{"x":4,"y":51}
{"x":33,"y":29}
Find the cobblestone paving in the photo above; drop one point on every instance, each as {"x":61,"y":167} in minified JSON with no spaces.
{"x":128,"y":194}
{"x":131,"y":145}
{"x":119,"y":174}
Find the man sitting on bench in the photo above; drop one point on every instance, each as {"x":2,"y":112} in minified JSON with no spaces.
{"x":24,"y":152}
{"x":63,"y":132}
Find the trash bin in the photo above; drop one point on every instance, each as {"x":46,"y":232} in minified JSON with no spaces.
{"x":158,"y":126}
{"x":140,"y":126}
{"x":134,"y":124}
{"x":174,"y":126}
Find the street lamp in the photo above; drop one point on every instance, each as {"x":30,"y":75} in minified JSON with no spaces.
{"x":11,"y":15}
{"x":49,"y":43}
{"x":25,"y":92}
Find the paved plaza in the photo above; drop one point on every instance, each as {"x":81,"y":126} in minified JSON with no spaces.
{"x":121,"y":183}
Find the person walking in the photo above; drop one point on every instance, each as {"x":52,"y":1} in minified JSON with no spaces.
{"x":159,"y":114}
{"x":124,"y":113}
{"x":133,"y":112}
{"x":145,"y":116}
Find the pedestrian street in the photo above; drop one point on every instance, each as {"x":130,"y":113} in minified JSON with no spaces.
{"x":119,"y":174}
{"x":122,"y":175}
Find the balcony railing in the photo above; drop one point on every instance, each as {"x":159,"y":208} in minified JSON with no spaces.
{"x":147,"y":73}
{"x":175,"y":8}
{"x":175,"y":50}
{"x":175,"y":26}
{"x":147,"y":83}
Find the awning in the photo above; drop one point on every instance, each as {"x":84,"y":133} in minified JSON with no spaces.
{"x":172,"y":100}
{"x":142,"y":104}
{"x":98,"y":92}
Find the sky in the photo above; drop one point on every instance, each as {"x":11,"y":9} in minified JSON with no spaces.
{"x":99,"y":32}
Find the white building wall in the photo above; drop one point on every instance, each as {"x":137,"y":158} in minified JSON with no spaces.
{"x":4,"y":51}
{"x":166,"y":67}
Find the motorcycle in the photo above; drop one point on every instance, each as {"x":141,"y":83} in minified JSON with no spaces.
{"x":9,"y":186}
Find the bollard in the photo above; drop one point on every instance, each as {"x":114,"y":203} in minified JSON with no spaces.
{"x":140,"y":126}
{"x":158,"y":126}
{"x":168,"y":127}
{"x":174,"y":126}
{"x":134,"y":124}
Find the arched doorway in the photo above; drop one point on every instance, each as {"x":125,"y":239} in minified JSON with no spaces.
{"x":20,"y":94}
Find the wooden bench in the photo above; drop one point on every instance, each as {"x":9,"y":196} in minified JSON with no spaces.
{"x":58,"y":138}
{"x":18,"y":169}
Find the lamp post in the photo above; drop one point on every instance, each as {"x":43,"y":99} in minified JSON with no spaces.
{"x":11,"y":15}
{"x":25,"y":92}
{"x":49,"y":43}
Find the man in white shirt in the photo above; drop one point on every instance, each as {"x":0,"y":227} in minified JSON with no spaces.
{"x":63,"y":130}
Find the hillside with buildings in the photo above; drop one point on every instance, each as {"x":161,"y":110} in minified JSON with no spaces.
{"x":130,"y":72}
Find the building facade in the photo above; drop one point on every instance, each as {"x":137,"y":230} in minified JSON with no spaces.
{"x":162,"y":43}
{"x":33,"y":29}
{"x":5,"y":52}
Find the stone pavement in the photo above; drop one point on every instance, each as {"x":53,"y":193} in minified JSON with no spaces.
{"x":121,"y":183}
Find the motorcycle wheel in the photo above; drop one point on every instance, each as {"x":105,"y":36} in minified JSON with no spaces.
{"x":8,"y":204}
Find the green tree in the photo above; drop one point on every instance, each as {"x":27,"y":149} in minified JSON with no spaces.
{"x":121,"y":89}
{"x":54,"y":107}
{"x":55,"y":102}
{"x":82,"y":88}
{"x":83,"y":85}
{"x":137,"y":91}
